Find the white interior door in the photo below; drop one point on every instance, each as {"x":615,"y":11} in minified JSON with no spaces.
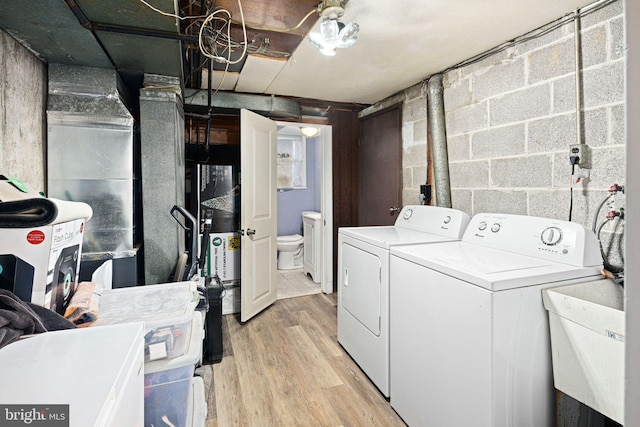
{"x":259,"y":213}
{"x":327,"y":210}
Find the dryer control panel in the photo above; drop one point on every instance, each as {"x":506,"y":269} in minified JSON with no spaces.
{"x":552,"y":239}
{"x":433,"y":219}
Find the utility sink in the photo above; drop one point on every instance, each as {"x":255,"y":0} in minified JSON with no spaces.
{"x":587,"y":327}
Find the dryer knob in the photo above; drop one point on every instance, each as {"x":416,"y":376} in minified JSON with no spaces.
{"x":482,"y":226}
{"x":447,"y":219}
{"x":495,"y":227}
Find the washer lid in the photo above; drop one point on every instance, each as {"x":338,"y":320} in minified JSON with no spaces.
{"x":388,"y":236}
{"x":490,"y":268}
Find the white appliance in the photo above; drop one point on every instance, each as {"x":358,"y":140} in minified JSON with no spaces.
{"x":98,"y":372}
{"x":469,"y":333}
{"x":363,"y":280}
{"x":312,"y":233}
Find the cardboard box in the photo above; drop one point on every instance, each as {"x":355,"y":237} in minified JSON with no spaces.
{"x":53,"y":252}
{"x":231,"y":297}
{"x":218,"y":192}
{"x":223,"y":256}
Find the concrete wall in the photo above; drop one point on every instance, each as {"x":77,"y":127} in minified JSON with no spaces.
{"x":23,"y":89}
{"x":511,"y":117}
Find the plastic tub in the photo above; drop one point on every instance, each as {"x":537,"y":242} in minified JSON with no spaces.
{"x":167,"y":383}
{"x":166,"y":310}
{"x":197,"y":416}
{"x":587,"y":327}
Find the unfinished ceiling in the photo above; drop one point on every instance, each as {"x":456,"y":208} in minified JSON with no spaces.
{"x":400,"y":43}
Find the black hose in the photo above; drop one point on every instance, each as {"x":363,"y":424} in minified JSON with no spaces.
{"x":607,"y":265}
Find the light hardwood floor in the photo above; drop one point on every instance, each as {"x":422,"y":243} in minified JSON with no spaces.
{"x":285,"y":368}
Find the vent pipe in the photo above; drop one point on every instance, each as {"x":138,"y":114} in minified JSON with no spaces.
{"x":440,"y":157}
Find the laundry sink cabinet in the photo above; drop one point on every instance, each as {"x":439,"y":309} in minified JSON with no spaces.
{"x":587,"y":343}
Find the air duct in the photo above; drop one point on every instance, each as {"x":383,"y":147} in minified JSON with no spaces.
{"x":267,"y":105}
{"x":435,"y":116}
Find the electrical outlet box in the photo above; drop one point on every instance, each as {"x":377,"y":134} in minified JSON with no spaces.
{"x":425,"y":193}
{"x":581,"y":151}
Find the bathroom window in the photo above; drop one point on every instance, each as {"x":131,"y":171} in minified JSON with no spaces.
{"x":292,"y":168}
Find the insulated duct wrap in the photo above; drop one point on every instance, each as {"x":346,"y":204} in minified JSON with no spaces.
{"x":435,"y":116}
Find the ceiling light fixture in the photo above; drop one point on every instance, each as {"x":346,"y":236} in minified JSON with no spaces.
{"x":309,"y":131}
{"x":333,"y":34}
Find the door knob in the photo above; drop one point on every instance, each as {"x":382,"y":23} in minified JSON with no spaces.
{"x":393,"y":210}
{"x":250,"y":232}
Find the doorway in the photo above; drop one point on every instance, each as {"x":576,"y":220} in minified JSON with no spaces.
{"x":313,"y":193}
{"x":380,"y":167}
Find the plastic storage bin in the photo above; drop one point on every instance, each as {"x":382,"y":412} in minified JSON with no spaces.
{"x":167,"y":383}
{"x":197,"y":416}
{"x":166,"y":310}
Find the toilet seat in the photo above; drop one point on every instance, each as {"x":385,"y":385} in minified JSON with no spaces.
{"x":293,"y":238}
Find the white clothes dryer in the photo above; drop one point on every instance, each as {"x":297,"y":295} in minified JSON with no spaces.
{"x":470,"y":339}
{"x":363,"y":280}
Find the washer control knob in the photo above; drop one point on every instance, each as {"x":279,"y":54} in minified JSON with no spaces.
{"x":407,"y":213}
{"x":495,"y":227}
{"x":447,"y":219}
{"x":482,"y":226}
{"x":551,"y":236}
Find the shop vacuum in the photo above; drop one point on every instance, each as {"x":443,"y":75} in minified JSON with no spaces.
{"x":212,"y":292}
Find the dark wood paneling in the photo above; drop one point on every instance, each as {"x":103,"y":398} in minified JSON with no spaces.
{"x":223,"y":130}
{"x":280,"y":14}
{"x":345,"y":175}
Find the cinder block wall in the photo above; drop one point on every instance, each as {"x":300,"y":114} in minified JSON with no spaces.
{"x":511,"y":117}
{"x":23,"y":91}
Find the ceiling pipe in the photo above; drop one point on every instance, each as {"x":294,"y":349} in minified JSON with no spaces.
{"x":108,"y":28}
{"x":84,"y":21}
{"x":119,"y":29}
{"x":267,"y":105}
{"x":435,"y":116}
{"x":578,"y":67}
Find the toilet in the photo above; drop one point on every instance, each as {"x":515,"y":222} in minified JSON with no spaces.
{"x":290,"y":252}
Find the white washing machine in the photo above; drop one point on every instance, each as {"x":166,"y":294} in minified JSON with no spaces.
{"x":363,"y":280}
{"x":470,"y":339}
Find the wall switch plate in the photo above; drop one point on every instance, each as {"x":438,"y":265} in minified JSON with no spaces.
{"x":582,"y":152}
